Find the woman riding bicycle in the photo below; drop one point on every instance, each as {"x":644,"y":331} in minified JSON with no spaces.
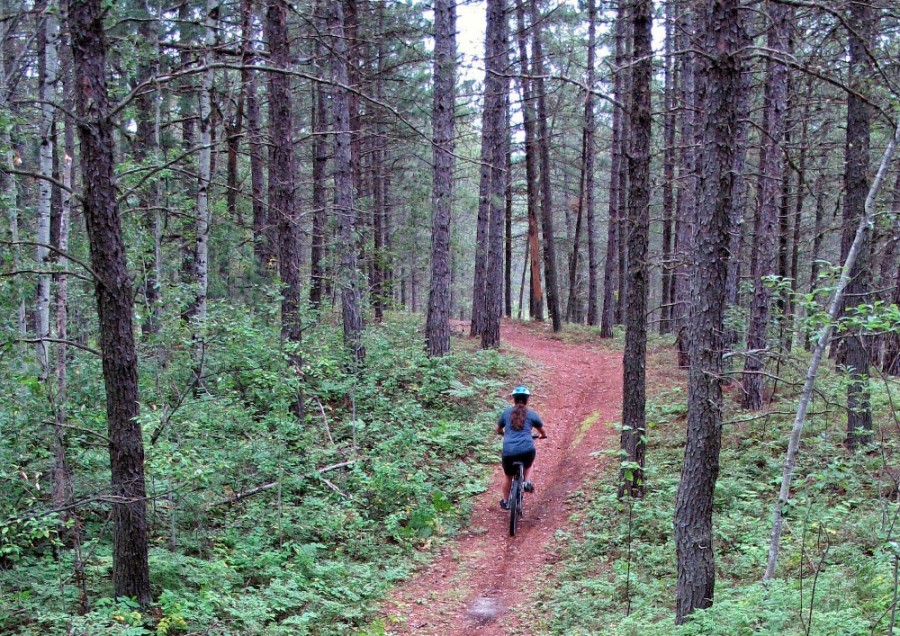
{"x":515,"y":424}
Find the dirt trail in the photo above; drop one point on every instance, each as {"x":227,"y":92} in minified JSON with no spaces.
{"x":467,"y":590}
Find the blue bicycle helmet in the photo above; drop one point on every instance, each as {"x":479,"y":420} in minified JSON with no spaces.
{"x":521,"y":390}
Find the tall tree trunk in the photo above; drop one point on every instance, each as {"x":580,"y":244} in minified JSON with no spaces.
{"x":686,"y":203}
{"x":380,"y":155}
{"x":344,"y":205}
{"x":62,"y":480}
{"x":634,"y":416}
{"x":261,"y":247}
{"x":437,"y":326}
{"x":114,"y":303}
{"x":320,"y":161}
{"x":489,"y":127}
{"x":282,"y":205}
{"x":590,"y":126}
{"x":543,"y":144}
{"x":738,"y":197}
{"x":668,"y":186}
{"x":10,"y":191}
{"x":720,"y":68}
{"x":146,"y":148}
{"x":608,"y":315}
{"x":205,"y":160}
{"x":507,"y":230}
{"x":586,"y":188}
{"x":536,"y":295}
{"x":623,"y":190}
{"x":855,"y":351}
{"x":497,"y":30}
{"x":770,"y":179}
{"x":48,"y":68}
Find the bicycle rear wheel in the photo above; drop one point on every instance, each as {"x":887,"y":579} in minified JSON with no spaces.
{"x":515,"y":498}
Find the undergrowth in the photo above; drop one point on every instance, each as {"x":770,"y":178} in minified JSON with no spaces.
{"x":248,"y":534}
{"x":616,"y":575}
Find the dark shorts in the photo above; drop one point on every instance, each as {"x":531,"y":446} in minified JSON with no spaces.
{"x":527,"y":460}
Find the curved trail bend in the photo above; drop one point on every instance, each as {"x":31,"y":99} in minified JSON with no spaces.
{"x":477,"y":579}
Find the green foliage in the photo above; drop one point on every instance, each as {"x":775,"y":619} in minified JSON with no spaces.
{"x":248,"y":536}
{"x":619,"y":579}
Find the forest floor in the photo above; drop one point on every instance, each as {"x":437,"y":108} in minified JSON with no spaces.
{"x":479,"y":579}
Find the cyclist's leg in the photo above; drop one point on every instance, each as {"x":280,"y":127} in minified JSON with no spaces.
{"x":507,"y":485}
{"x":529,"y":466}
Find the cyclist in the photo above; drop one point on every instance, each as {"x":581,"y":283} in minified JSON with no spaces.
{"x":515,"y":424}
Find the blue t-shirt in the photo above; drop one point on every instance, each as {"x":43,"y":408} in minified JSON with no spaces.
{"x":517,"y":442}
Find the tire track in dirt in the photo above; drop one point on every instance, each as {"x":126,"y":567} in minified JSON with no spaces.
{"x":475,"y":583}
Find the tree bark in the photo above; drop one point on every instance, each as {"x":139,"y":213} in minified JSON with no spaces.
{"x":344,"y":206}
{"x":738,"y":196}
{"x":497,"y":30}
{"x":590,"y":130}
{"x":536,"y":294}
{"x":114,"y":303}
{"x":48,"y":69}
{"x":685,"y":203}
{"x":261,"y":247}
{"x":437,"y":326}
{"x":608,"y":315}
{"x":720,"y":68}
{"x":146,"y":148}
{"x":855,"y":352}
{"x":205,"y":168}
{"x":770,"y":181}
{"x":634,"y":417}
{"x":668,"y":186}
{"x":282,"y":197}
{"x":543,"y":145}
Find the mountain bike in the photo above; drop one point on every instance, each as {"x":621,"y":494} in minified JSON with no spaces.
{"x":517,"y":496}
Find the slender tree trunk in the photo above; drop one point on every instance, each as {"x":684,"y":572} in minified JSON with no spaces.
{"x":608,"y":315}
{"x":497,"y":30}
{"x":855,"y":351}
{"x":114,"y":303}
{"x":536,"y":294}
{"x":344,"y":206}
{"x":48,"y":70}
{"x":590,"y":127}
{"x":507,"y":231}
{"x":204,"y":217}
{"x":320,"y":162}
{"x":543,"y":145}
{"x":668,"y":186}
{"x":720,"y":68}
{"x":282,"y":197}
{"x":634,"y":417}
{"x":623,"y":189}
{"x":10,"y":190}
{"x":261,"y":247}
{"x":62,"y":476}
{"x":770,"y":179}
{"x":147,"y":148}
{"x":437,"y":327}
{"x":738,"y":197}
{"x":686,"y":203}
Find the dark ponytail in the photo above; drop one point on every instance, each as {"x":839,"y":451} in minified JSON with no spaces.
{"x":520,"y":411}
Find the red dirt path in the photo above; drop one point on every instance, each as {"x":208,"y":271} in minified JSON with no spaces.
{"x":466,"y":589}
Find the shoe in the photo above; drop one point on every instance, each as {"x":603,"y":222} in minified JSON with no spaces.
{"x":528,"y":486}
{"x":504,"y":504}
